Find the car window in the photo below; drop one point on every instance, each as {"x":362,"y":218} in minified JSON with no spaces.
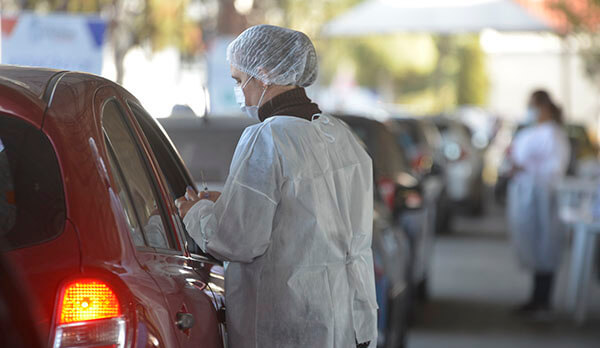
{"x":431,"y":133}
{"x":392,"y":159}
{"x":167,"y":157}
{"x":388,"y":160}
{"x":130,"y":214}
{"x":136,"y":175}
{"x":175,"y":174}
{"x":407,"y":140}
{"x":32,"y":202}
{"x":206,"y":147}
{"x":416,"y":132}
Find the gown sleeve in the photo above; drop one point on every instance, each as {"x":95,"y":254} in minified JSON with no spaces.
{"x":237,"y":227}
{"x":542,"y":152}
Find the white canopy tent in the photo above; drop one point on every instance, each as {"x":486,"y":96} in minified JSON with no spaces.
{"x":374,"y":17}
{"x":445,"y":17}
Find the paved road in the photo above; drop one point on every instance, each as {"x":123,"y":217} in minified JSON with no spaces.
{"x":475,"y":282}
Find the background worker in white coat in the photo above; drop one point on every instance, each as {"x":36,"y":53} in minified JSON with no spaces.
{"x":540,"y":156}
{"x":296,"y":213}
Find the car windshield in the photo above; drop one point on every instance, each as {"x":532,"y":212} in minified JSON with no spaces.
{"x":207,"y":148}
{"x":451,"y":130}
{"x":410,"y":138}
{"x":388,"y":159}
{"x":32,"y":202}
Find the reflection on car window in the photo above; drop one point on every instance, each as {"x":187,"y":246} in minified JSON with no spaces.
{"x":32,"y":202}
{"x":130,"y":165}
{"x":163,"y":152}
{"x":167,"y":160}
{"x":132,"y":221}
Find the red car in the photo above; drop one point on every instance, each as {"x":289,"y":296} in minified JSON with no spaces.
{"x":87,"y":187}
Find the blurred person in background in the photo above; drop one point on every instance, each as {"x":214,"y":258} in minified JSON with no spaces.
{"x":295,"y":217}
{"x":540,"y":158}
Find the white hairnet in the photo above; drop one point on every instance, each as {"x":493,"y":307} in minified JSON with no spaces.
{"x":275,"y":55}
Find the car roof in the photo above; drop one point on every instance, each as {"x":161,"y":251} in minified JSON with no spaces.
{"x":361,"y":121}
{"x":30,"y":79}
{"x":39,"y":85}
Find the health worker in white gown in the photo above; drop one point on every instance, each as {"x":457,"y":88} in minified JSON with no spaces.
{"x":296,"y":214}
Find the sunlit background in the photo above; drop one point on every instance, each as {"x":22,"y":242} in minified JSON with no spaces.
{"x":170,"y":52}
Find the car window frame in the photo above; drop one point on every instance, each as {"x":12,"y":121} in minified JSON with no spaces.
{"x":181,"y":169}
{"x":176,"y":249}
{"x":119,"y":172}
{"x":170,"y":147}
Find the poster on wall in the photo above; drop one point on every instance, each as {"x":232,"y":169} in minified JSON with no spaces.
{"x":59,"y":41}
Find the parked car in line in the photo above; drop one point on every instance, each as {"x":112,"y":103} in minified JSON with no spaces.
{"x":207,"y":146}
{"x":583,"y":150}
{"x":420,"y":141}
{"x":392,"y":261}
{"x":95,"y":231}
{"x":464,"y":165}
{"x":402,"y":192}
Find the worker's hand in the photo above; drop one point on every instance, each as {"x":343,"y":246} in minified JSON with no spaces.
{"x":183,"y":205}
{"x":210,"y":195}
{"x":186,"y":202}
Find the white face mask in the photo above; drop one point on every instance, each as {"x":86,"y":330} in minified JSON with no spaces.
{"x":532,"y":115}
{"x":252,"y":110}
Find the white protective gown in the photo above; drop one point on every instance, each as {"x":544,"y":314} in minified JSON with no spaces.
{"x":295,"y":220}
{"x":537,"y":234}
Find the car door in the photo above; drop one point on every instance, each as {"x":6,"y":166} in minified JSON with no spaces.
{"x":193,"y":267}
{"x":190,"y":311}
{"x":177,"y":179}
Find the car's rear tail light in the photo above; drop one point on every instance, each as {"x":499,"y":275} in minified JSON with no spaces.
{"x":422,"y":163}
{"x":89,"y":315}
{"x":88,"y":300}
{"x":413,"y":200}
{"x":387,"y":189}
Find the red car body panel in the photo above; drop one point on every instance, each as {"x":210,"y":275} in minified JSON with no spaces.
{"x":152,"y":286}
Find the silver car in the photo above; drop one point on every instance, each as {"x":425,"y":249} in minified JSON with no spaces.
{"x":464,"y":165}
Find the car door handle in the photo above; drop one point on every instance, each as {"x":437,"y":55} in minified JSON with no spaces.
{"x":185,"y":321}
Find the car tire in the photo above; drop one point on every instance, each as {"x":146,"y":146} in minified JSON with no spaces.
{"x":398,"y":325}
{"x":422,"y":291}
{"x":477,"y":205}
{"x":443,"y":222}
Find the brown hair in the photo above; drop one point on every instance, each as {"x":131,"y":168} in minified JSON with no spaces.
{"x":542,"y":98}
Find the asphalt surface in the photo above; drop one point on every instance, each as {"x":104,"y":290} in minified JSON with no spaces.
{"x":475,"y":283}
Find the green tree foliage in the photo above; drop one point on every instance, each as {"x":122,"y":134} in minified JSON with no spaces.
{"x":421,"y":70}
{"x":583,"y":18}
{"x":472,"y":83}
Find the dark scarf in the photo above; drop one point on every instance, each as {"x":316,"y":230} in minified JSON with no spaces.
{"x":291,"y":103}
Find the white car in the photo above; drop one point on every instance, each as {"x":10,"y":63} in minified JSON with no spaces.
{"x":464,"y":165}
